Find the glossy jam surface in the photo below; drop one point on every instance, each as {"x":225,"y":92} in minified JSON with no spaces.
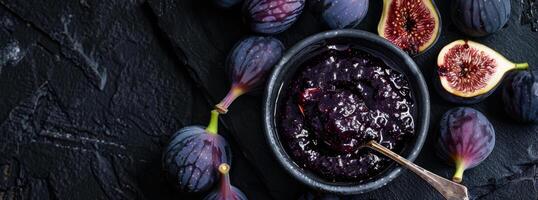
{"x":338,"y":100}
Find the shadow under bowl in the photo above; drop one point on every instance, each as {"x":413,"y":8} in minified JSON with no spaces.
{"x":371,"y":43}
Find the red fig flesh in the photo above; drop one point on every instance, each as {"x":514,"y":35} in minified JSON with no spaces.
{"x":412,"y":25}
{"x":468,"y":71}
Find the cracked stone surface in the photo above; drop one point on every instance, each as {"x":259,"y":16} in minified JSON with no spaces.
{"x":90,"y":92}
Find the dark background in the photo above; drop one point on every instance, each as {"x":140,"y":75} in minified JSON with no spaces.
{"x":91,"y":90}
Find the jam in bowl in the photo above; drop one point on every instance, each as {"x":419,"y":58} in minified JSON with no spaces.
{"x":333,"y":92}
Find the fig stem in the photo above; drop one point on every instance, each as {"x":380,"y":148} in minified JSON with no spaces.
{"x":522,"y":65}
{"x":213,"y":126}
{"x":224,"y":168}
{"x":458,"y":175}
{"x":234,"y":92}
{"x":225,"y":185}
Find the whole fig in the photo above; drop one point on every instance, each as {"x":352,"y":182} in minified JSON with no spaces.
{"x":520,"y":96}
{"x":480,"y":17}
{"x":338,"y":14}
{"x":272,"y":16}
{"x":248,"y":64}
{"x":466,"y":139}
{"x":193,"y":155}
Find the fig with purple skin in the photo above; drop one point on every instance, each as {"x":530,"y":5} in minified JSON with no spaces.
{"x":466,"y":139}
{"x":248,"y":65}
{"x":520,"y":97}
{"x":225,"y":191}
{"x":338,"y":14}
{"x":193,"y":155}
{"x":272,"y":16}
{"x":479,"y":17}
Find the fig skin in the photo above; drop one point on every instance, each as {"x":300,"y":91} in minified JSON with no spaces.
{"x":339,"y":14}
{"x":479,"y":18}
{"x":466,"y":139}
{"x":191,"y":158}
{"x":457,"y":61}
{"x":400,"y":36}
{"x":248,"y":65}
{"x":225,"y":191}
{"x":520,"y":97}
{"x":272,"y":16}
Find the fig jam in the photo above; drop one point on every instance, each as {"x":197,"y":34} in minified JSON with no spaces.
{"x":338,"y":100}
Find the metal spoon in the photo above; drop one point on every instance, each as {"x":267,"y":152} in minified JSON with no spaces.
{"x":450,"y":190}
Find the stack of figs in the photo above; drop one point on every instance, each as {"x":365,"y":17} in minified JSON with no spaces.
{"x":197,"y":156}
{"x":467,"y":72}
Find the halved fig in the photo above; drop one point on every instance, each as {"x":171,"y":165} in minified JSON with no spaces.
{"x":468,"y":71}
{"x":412,"y":25}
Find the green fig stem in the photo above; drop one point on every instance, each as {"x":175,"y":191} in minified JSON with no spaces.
{"x":213,"y":126}
{"x":521,"y":66}
{"x":225,"y":185}
{"x":458,"y":175}
{"x":234,"y":92}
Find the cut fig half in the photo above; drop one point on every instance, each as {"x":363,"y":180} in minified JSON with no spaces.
{"x":468,"y":71}
{"x":412,"y":25}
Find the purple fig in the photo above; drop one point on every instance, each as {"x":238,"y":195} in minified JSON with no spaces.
{"x":193,"y":155}
{"x":248,"y":65}
{"x":338,"y":14}
{"x":520,"y":97}
{"x":466,"y":139}
{"x":272,"y":16}
{"x":225,"y":191}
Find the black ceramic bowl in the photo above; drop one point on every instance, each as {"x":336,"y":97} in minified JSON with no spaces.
{"x":393,"y":56}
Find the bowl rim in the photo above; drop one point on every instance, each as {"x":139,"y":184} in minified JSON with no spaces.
{"x":272,"y":136}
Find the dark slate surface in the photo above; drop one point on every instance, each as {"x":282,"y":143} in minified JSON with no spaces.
{"x":90,"y":92}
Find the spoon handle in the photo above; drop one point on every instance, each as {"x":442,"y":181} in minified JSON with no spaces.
{"x":450,"y":190}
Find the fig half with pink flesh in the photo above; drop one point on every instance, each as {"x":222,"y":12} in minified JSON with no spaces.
{"x":466,"y":139}
{"x":412,"y":25}
{"x":468,"y":72}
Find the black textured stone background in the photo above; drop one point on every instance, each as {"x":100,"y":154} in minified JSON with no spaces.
{"x":91,"y":90}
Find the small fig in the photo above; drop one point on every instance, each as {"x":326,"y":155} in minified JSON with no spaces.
{"x":193,"y":155}
{"x":468,"y":72}
{"x":480,"y":17}
{"x":272,"y":16}
{"x":412,"y":25}
{"x":466,"y":139}
{"x":225,"y":191}
{"x":339,"y":14}
{"x":248,"y":65}
{"x":520,"y":97}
